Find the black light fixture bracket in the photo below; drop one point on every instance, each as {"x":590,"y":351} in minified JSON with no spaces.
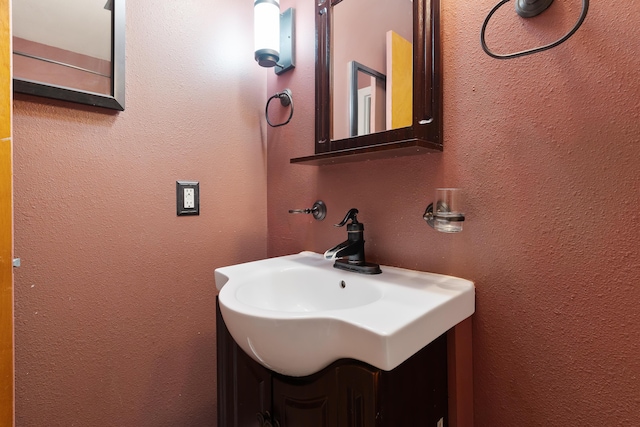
{"x":531,"y":8}
{"x":287,"y":41}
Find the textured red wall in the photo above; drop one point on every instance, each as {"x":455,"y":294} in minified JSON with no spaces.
{"x":115,"y":299}
{"x":547,"y":150}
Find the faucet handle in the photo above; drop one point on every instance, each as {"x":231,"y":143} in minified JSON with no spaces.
{"x":319,"y":210}
{"x":351,"y":215}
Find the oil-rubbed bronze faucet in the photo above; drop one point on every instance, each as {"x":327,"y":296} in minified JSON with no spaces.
{"x":353,"y":248}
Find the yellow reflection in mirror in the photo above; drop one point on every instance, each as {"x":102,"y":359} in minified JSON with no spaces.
{"x":399,"y":81}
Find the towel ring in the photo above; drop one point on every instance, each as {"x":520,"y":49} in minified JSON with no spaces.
{"x":286,"y":99}
{"x":527,"y":9}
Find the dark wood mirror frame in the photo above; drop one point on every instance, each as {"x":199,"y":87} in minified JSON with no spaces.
{"x":113,"y":101}
{"x":425,"y":133}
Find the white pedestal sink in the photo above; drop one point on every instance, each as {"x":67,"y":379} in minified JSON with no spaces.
{"x":297,"y":314}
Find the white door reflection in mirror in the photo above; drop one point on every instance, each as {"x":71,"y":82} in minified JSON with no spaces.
{"x":367,"y":102}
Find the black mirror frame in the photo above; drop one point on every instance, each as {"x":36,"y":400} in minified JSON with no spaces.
{"x":425,"y":133}
{"x":114,"y":101}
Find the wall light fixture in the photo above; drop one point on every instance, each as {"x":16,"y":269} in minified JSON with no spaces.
{"x":274,"y":35}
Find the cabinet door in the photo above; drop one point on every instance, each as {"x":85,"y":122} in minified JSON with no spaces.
{"x":244,"y":386}
{"x":308,"y":402}
{"x":415,"y":393}
{"x":357,"y":391}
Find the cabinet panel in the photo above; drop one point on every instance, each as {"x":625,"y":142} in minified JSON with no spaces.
{"x":244,"y":386}
{"x":357,"y":391}
{"x":309,"y":402}
{"x":252,"y":389}
{"x":415,"y":393}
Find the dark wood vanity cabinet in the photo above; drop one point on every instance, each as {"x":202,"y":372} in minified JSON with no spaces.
{"x":347,"y":393}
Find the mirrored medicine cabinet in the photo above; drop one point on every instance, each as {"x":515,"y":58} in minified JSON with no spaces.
{"x":378,"y":80}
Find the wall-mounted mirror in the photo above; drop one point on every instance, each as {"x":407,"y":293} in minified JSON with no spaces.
{"x":70,"y":49}
{"x":396,"y":41}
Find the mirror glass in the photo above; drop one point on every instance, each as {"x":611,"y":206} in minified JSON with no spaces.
{"x":371,"y":66}
{"x":70,"y":49}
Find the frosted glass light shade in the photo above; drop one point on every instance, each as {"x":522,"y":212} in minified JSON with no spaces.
{"x":266,"y":29}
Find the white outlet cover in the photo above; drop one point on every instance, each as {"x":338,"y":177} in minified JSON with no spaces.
{"x":189,"y":198}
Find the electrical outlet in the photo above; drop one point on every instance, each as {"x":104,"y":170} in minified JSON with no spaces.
{"x":188,"y":197}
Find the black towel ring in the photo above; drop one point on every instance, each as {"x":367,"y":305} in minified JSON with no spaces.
{"x":527,"y":10}
{"x":286,"y":99}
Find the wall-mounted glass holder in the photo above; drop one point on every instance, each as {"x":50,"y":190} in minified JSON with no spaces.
{"x":447,"y":222}
{"x":447,"y":217}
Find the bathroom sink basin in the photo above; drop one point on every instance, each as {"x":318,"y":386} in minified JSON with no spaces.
{"x":297,"y":314}
{"x":291,"y":290}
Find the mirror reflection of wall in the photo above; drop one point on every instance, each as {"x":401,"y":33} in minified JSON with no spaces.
{"x":359,"y":34}
{"x":64,"y":43}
